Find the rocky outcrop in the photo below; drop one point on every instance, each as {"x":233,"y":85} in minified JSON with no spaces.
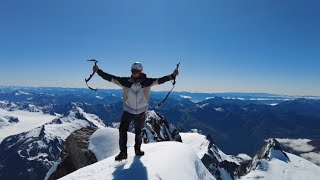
{"x":220,"y":165}
{"x":76,"y":154}
{"x":157,"y":129}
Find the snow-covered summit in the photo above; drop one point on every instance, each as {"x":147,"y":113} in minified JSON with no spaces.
{"x":163,"y":160}
{"x":105,"y":142}
{"x":174,"y":160}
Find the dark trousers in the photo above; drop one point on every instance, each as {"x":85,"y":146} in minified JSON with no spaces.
{"x":126,"y":119}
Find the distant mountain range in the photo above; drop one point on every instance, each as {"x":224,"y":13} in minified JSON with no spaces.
{"x":246,"y":117}
{"x":30,"y":154}
{"x":237,"y":122}
{"x":106,"y":96}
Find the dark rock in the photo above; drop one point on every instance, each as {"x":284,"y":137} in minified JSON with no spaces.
{"x":216,"y":162}
{"x":76,"y":154}
{"x":13,"y":119}
{"x":157,"y":129}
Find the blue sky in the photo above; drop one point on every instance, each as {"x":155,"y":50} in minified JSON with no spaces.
{"x":223,"y":46}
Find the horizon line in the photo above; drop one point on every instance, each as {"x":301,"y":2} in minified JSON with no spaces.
{"x":226,"y":92}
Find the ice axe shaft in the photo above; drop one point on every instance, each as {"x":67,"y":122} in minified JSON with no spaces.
{"x":87,"y":80}
{"x":174,"y":79}
{"x":173,"y":84}
{"x":95,"y":63}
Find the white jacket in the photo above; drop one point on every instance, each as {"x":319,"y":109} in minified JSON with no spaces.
{"x":136,"y":92}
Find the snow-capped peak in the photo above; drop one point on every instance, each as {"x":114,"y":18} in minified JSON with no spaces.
{"x":270,"y":150}
{"x":162,"y":160}
{"x":78,"y":113}
{"x":273,"y":163}
{"x":275,"y":168}
{"x":40,"y":147}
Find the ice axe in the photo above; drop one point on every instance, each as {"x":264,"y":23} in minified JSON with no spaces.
{"x":174,"y":79}
{"x":87,"y":80}
{"x":173,"y":83}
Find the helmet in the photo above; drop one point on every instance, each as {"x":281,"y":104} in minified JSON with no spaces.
{"x":137,"y":66}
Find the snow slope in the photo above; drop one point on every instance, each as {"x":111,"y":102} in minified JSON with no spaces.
{"x":278,"y":167}
{"x":105,"y":142}
{"x":27,"y":121}
{"x":197,"y":142}
{"x":163,"y":160}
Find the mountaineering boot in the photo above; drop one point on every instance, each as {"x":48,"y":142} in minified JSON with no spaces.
{"x":138,"y":152}
{"x":121,"y":156}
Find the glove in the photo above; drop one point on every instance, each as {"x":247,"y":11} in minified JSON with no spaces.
{"x":95,"y":69}
{"x":175,"y":72}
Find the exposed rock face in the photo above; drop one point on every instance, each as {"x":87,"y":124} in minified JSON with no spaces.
{"x":76,"y":154}
{"x":157,"y":129}
{"x":220,"y":165}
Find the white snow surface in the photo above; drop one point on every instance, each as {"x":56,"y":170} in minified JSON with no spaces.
{"x":27,"y":121}
{"x":105,"y":142}
{"x":185,"y":97}
{"x":197,"y":142}
{"x":244,"y":156}
{"x":69,"y":124}
{"x":203,"y":105}
{"x":163,"y":160}
{"x":219,"y":109}
{"x":221,"y":156}
{"x":295,"y":169}
{"x":21,"y":93}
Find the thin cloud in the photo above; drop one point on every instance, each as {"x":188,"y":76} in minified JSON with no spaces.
{"x":299,"y":145}
{"x":312,"y":156}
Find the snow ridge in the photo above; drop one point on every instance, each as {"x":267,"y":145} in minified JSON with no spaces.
{"x":157,"y":163}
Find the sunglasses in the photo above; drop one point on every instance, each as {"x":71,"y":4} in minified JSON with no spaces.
{"x":135,"y":71}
